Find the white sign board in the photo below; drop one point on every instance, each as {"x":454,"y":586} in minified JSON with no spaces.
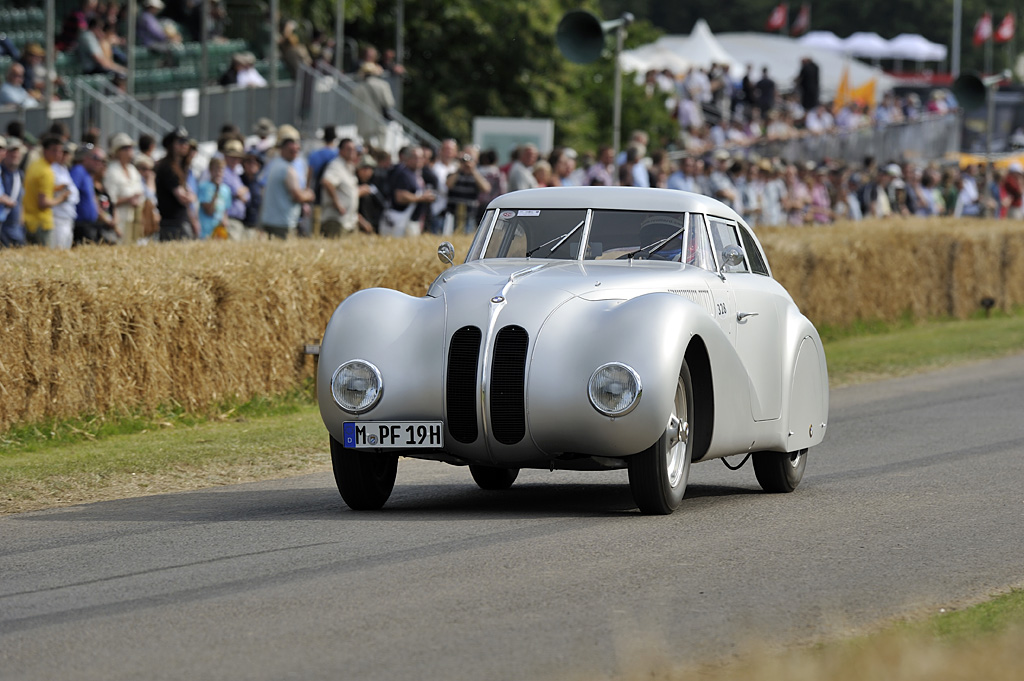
{"x":505,"y":134}
{"x":190,"y":102}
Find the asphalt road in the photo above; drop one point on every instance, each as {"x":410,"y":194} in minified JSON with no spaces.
{"x":913,"y":503}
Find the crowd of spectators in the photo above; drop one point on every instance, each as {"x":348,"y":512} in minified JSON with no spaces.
{"x":268,"y":184}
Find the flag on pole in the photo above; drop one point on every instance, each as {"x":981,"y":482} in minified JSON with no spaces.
{"x":983,"y":29}
{"x":843,"y":93}
{"x":778,"y":17}
{"x":802,"y":21}
{"x":1007,"y":27}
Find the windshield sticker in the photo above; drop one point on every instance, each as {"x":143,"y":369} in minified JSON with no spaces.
{"x":529,"y":213}
{"x":508,"y":214}
{"x":662,"y":219}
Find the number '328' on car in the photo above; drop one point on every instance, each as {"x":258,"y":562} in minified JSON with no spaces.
{"x":589,"y":328}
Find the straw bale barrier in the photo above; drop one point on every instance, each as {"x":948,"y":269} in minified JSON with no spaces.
{"x":96,"y":330}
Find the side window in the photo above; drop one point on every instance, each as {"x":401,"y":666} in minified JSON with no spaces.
{"x":698,"y":248}
{"x":757,"y":263}
{"x":724,"y":234}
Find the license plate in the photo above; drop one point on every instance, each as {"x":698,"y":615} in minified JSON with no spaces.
{"x":392,"y":434}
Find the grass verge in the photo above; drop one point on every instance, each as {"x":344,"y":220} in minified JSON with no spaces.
{"x":115,"y":456}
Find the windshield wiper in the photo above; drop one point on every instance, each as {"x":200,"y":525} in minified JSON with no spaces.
{"x":560,"y":239}
{"x":655,"y":246}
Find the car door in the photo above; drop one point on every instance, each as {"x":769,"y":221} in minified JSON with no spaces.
{"x":757,"y":335}
{"x":705,"y":255}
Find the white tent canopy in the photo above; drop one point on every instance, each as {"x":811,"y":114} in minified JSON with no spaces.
{"x":780,"y":54}
{"x":913,"y":47}
{"x":869,"y":45}
{"x":822,"y":40}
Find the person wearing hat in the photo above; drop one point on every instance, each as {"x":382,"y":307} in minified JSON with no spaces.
{"x":371,"y":199}
{"x":285,"y":189}
{"x":173,"y":196}
{"x":233,"y":154}
{"x":378,"y":100}
{"x":35,"y":70}
{"x":125,"y":188}
{"x":12,"y":232}
{"x":64,"y":213}
{"x":247,"y":75}
{"x":263,"y":138}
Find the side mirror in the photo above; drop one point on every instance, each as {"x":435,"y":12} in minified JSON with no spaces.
{"x":731,"y":256}
{"x":446,"y":253}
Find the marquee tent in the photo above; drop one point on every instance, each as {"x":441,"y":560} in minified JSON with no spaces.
{"x":780,"y":54}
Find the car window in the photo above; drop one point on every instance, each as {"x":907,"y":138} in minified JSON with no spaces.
{"x":518,"y":233}
{"x":724,"y":234}
{"x":698,"y":247}
{"x":616,"y":233}
{"x":757,"y":263}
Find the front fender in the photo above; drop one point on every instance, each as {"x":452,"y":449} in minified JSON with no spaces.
{"x":403,"y":337}
{"x":650,"y":333}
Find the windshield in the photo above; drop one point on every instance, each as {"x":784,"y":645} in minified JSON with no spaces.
{"x":610,"y":234}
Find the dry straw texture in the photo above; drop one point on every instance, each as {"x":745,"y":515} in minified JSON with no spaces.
{"x":97,"y":329}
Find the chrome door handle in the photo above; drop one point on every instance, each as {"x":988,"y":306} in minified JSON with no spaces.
{"x":740,"y":316}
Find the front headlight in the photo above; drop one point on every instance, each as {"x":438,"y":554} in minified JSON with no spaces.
{"x":614,"y":389}
{"x":356,"y":386}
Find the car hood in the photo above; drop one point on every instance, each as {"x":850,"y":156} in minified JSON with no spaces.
{"x":555,"y":280}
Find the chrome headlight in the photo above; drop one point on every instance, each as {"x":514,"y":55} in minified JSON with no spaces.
{"x":614,"y":389}
{"x":356,"y":386}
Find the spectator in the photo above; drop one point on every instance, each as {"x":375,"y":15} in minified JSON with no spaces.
{"x":520,"y":173}
{"x":764,"y":92}
{"x":252,"y":178}
{"x":808,"y":84}
{"x":285,"y":189}
{"x":495,"y":179}
{"x":340,"y":193}
{"x":465,"y":186}
{"x":371,"y":200}
{"x":214,"y":198}
{"x":683,"y":179}
{"x":1012,"y":187}
{"x":293,"y":53}
{"x":319,"y":160}
{"x":247,"y":75}
{"x":444,"y":166}
{"x":192,"y":182}
{"x":263,"y":137}
{"x":74,"y":23}
{"x":91,"y":160}
{"x":151,"y":33}
{"x":390,"y":64}
{"x":64,"y":213}
{"x":124,"y":185}
{"x":42,"y":193}
{"x":235,"y":220}
{"x":13,"y":90}
{"x":147,"y":147}
{"x":408,"y":190}
{"x":172,"y":193}
{"x":35,"y":71}
{"x":600,"y":173}
{"x":12,"y":232}
{"x":378,"y":101}
{"x":149,"y":215}
{"x":91,"y":52}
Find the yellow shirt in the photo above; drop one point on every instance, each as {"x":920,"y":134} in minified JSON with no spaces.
{"x":39,"y":179}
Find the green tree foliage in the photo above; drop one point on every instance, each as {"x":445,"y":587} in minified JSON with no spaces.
{"x":467,"y":58}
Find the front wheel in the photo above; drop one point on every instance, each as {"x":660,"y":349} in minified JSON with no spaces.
{"x":780,"y":471}
{"x":491,"y":478}
{"x":658,"y":475}
{"x":365,"y":478}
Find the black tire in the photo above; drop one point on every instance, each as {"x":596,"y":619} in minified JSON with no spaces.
{"x":365,"y":478}
{"x":658,"y":476}
{"x":779,"y":472}
{"x":491,"y":478}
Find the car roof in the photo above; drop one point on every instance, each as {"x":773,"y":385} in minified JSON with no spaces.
{"x":615,"y":198}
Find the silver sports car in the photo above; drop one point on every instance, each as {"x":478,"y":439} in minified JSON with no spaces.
{"x":589,"y":328}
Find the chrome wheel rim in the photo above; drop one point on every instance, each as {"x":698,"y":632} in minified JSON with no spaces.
{"x":677,"y":435}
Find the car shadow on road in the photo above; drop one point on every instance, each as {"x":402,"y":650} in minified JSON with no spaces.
{"x":445,"y":501}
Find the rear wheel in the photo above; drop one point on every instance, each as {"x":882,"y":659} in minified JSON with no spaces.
{"x":658,"y":476}
{"x":365,"y":478}
{"x":489,"y":477}
{"x":779,"y":471}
